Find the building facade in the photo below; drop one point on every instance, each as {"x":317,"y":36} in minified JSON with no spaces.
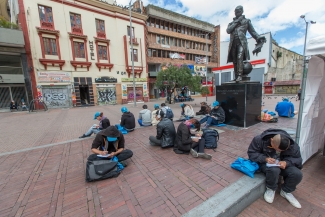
{"x":177,"y":39}
{"x":14,"y":71}
{"x":81,"y":49}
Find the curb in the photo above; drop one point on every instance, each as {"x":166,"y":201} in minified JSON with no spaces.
{"x":233,"y":199}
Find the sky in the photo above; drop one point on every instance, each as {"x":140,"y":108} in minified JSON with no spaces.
{"x":280,"y":17}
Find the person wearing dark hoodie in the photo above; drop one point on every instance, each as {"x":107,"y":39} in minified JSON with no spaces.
{"x":103,"y":124}
{"x":145,"y":116}
{"x":166,"y":132}
{"x":127,"y":120}
{"x":216,"y":116}
{"x":277,"y":154}
{"x":186,"y":143}
{"x":111,"y":141}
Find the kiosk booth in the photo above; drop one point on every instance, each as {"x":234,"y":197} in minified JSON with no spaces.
{"x":312,"y":125}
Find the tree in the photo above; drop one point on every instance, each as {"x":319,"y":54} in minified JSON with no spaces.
{"x":176,"y":77}
{"x":205,"y":91}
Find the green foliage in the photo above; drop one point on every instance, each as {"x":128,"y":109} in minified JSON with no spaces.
{"x":6,"y":24}
{"x":205,"y":90}
{"x":174,"y":77}
{"x":278,"y":54}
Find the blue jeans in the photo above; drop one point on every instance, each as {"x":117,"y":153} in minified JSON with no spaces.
{"x":209,"y":120}
{"x":143,"y":125}
{"x":92,"y":130}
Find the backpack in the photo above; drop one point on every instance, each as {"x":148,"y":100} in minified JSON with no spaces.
{"x":211,"y":138}
{"x":100,"y":168}
{"x":169,"y":113}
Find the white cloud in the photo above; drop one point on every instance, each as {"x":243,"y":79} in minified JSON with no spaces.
{"x":267,"y":15}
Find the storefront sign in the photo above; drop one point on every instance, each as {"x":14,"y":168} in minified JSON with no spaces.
{"x":54,"y":77}
{"x":124,"y":91}
{"x":199,"y":70}
{"x":105,"y":80}
{"x":91,"y":48}
{"x":137,"y":85}
{"x":136,"y":79}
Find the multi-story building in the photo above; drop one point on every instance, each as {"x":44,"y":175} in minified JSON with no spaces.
{"x":14,"y":71}
{"x":178,"y":39}
{"x":81,"y":49}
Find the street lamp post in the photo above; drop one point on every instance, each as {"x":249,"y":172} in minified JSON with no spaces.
{"x":132,"y":55}
{"x":303,"y":84}
{"x":206,"y":61}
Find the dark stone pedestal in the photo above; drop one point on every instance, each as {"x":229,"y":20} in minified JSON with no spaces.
{"x":241,"y":102}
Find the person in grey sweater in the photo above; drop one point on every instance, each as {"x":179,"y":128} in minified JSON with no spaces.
{"x":145,"y":116}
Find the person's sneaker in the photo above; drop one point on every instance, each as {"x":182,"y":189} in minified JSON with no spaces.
{"x":83,"y":136}
{"x":269,"y":195}
{"x":205,"y":156}
{"x":294,"y":202}
{"x":124,"y":163}
{"x":194,"y":153}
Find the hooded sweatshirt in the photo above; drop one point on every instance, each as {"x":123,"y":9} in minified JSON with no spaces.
{"x":259,"y":149}
{"x":104,"y":123}
{"x":285,"y":109}
{"x":128,"y":120}
{"x":145,"y":116}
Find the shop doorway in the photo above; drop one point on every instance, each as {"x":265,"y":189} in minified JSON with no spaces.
{"x":8,"y":93}
{"x":139,"y":94}
{"x":84,"y":94}
{"x":56,"y":96}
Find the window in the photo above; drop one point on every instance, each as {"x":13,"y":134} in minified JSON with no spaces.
{"x":178,"y":42}
{"x":128,"y":29}
{"x":45,"y":14}
{"x":135,"y":55}
{"x":186,"y":30}
{"x":163,"y":54}
{"x":152,"y":22}
{"x":102,"y":52}
{"x":162,"y":24}
{"x":162,"y":39}
{"x":148,"y":22}
{"x":183,"y":43}
{"x":79,"y":49}
{"x":158,"y":39}
{"x":152,"y":68}
{"x":157,"y":23}
{"x":166,"y":25}
{"x":170,"y":27}
{"x":50,"y":46}
{"x":179,"y":28}
{"x":159,"y":53}
{"x":149,"y":53}
{"x":167,"y":40}
{"x":100,"y":25}
{"x":154,"y":53}
{"x":182,"y":29}
{"x":75,"y":20}
{"x":172,"y":41}
{"x":175,"y":27}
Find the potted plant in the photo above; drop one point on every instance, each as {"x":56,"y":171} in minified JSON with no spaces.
{"x":205,"y":91}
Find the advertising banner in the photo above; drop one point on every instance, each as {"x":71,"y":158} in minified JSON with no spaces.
{"x":200,"y":60}
{"x":200,"y":70}
{"x":176,"y":56}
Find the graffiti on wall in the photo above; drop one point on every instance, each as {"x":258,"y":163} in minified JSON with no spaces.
{"x":106,"y":95}
{"x":56,"y":97}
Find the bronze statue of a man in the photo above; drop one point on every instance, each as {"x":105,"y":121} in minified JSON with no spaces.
{"x":238,"y":47}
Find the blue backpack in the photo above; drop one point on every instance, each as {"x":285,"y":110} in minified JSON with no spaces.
{"x":169,"y":113}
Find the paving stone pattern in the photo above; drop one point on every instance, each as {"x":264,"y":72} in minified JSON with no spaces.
{"x":157,"y":182}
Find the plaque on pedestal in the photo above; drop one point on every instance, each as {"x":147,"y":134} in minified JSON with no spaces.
{"x":241,"y":102}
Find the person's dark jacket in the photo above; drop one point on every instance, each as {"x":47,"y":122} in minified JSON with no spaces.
{"x":259,"y":149}
{"x":183,"y":140}
{"x":166,"y":132}
{"x":128,"y":120}
{"x":219,"y":114}
{"x":112,"y":146}
{"x":105,"y":123}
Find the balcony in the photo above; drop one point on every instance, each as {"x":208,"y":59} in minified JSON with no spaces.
{"x":47,"y":25}
{"x":101,"y":35}
{"x":11,"y":37}
{"x":134,"y":41}
{"x":77,"y":30}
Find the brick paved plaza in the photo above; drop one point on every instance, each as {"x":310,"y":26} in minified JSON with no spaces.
{"x":43,"y":162}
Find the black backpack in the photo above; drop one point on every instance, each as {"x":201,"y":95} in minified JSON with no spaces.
{"x":169,"y":113}
{"x":100,"y":168}
{"x":211,"y":138}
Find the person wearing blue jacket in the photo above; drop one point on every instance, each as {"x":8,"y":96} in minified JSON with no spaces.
{"x":285,"y":108}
